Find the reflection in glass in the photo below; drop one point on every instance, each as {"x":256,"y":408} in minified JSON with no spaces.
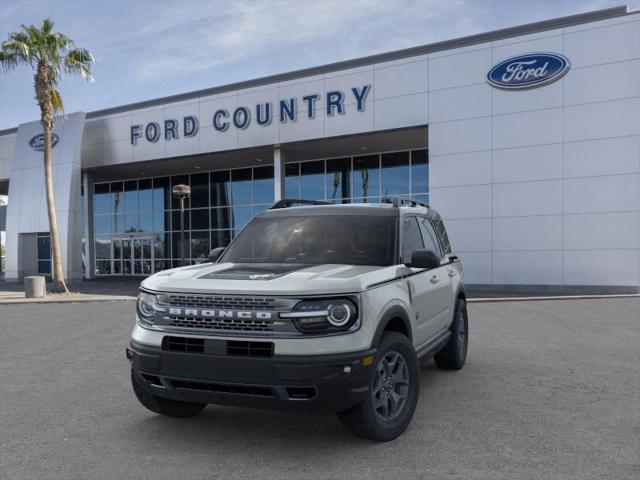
{"x":117,"y":248}
{"x":395,"y":173}
{"x":220,"y":218}
{"x":101,"y":198}
{"x":337,"y":179}
{"x":103,"y":247}
{"x":241,"y":186}
{"x":241,"y":216}
{"x":161,"y":221}
{"x":220,"y":189}
{"x":419,"y":171}
{"x":366,"y":177}
{"x":44,"y":266}
{"x":200,"y":219}
{"x":312,"y":180}
{"x":175,"y":220}
{"x":220,"y":238}
{"x":200,"y":190}
{"x":161,"y":194}
{"x":131,"y":203}
{"x":263,"y":185}
{"x":116,"y":198}
{"x":179,"y":180}
{"x":200,"y":244}
{"x":146,"y":222}
{"x":131,"y":223}
{"x":145,"y":195}
{"x":292,"y":180}
{"x":160,"y":242}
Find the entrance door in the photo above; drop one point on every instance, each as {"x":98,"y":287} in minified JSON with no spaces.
{"x":133,"y":256}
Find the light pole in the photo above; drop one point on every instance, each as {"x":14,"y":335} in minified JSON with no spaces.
{"x":182,"y":192}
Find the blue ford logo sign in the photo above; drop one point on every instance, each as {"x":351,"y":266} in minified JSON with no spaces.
{"x":37,"y":142}
{"x":528,"y":71}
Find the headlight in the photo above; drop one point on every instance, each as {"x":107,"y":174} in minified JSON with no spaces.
{"x":146,"y":305}
{"x":323,"y":316}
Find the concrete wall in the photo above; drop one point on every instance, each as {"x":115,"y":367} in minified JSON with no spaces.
{"x":542,"y":186}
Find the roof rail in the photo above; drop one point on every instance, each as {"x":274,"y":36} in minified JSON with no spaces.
{"x":404,"y":202}
{"x":290,"y":202}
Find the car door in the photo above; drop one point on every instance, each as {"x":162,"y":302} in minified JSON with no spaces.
{"x":424,"y":291}
{"x":441,"y":294}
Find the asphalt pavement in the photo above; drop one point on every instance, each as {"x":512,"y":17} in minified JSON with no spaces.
{"x":551,"y":390}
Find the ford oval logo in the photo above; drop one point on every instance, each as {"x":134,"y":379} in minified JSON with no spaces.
{"x":528,"y":71}
{"x":37,"y":142}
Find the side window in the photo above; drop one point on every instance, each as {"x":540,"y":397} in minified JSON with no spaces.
{"x":430,"y":240}
{"x":442,"y":233}
{"x":411,"y":238}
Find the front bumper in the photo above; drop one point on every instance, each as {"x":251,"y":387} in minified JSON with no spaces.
{"x":313,"y":384}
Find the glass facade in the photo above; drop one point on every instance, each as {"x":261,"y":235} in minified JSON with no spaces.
{"x":366,"y":178}
{"x":137,"y":222}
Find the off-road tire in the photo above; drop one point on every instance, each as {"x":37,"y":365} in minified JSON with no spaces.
{"x":164,"y":406}
{"x":454,"y":354}
{"x":364,"y":420}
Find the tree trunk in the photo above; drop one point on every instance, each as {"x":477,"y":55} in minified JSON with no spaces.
{"x":59,"y":284}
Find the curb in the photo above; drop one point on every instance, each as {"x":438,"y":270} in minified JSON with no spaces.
{"x":103,"y":298}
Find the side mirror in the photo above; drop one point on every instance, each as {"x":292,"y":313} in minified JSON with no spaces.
{"x":424,"y":259}
{"x":214,"y":254}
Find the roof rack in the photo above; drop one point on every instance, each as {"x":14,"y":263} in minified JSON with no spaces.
{"x":290,"y":202}
{"x":404,"y":202}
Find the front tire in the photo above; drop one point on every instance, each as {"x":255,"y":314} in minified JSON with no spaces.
{"x":454,"y":354}
{"x":393,"y":395}
{"x":164,"y":406}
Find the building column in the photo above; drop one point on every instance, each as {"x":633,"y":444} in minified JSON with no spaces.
{"x":278,"y":174}
{"x":87,"y":222}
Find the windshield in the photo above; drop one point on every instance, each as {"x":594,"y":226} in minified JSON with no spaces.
{"x":316,"y":239}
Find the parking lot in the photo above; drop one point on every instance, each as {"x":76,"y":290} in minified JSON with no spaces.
{"x":551,"y":389}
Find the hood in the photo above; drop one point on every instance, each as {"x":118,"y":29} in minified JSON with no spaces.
{"x":269,"y":279}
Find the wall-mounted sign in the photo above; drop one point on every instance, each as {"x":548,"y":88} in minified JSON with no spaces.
{"x":528,"y":71}
{"x":286,"y":110}
{"x":37,"y":142}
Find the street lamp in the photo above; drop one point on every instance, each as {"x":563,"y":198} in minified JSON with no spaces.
{"x":182,"y":192}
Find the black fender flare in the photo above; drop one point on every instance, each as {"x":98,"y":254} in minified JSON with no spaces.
{"x":460,"y":295}
{"x":393,"y":312}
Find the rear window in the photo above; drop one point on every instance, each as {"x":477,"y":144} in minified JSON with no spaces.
{"x":438,"y":224}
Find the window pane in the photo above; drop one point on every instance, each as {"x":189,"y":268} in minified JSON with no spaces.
{"x":179,"y":180}
{"x":241,"y":216}
{"x":200,"y":190}
{"x":162,"y":265}
{"x":220,"y":218}
{"x":241,"y":186}
{"x":175,"y":220}
{"x":117,"y":197}
{"x":161,"y":245}
{"x":263,"y":185}
{"x":103,"y":247}
{"x":337,"y":179}
{"x":200,"y":219}
{"x":103,"y":267}
{"x":200,"y":245}
{"x":146,"y":222}
{"x":220,"y":189}
{"x":44,"y":266}
{"x":161,"y":194}
{"x":411,"y":238}
{"x":429,"y":236}
{"x":161,"y":222}
{"x":292,"y":180}
{"x":175,"y":244}
{"x":395,"y":173}
{"x":312,"y":180}
{"x":44,"y":247}
{"x":117,"y":249}
{"x":442,"y":233}
{"x":131,"y":222}
{"x":101,"y":198}
{"x":102,"y":224}
{"x":131,"y":196}
{"x":220,"y":238}
{"x":117,"y":223}
{"x":366,"y":177}
{"x":145,"y":195}
{"x":419,"y":171}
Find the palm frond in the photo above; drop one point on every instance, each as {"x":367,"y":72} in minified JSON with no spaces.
{"x":79,"y":61}
{"x":56,"y":101}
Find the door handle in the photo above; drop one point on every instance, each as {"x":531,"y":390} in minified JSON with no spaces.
{"x":452,"y":273}
{"x":435,"y":279}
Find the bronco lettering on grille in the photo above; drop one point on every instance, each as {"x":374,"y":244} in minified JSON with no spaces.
{"x":208,"y":313}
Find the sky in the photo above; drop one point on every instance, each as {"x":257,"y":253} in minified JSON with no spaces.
{"x":150,"y":49}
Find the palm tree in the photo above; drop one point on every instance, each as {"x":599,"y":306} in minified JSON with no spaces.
{"x":50,"y":55}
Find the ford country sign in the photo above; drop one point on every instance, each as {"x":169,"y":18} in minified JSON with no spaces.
{"x":37,"y":142}
{"x":528,"y":71}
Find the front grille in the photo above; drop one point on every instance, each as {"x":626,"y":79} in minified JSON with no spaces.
{"x":250,"y":349}
{"x":222,"y":302}
{"x":254,"y":390}
{"x":183,"y":344}
{"x":224,"y":324}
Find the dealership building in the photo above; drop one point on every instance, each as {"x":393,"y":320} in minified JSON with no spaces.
{"x":526,"y":140}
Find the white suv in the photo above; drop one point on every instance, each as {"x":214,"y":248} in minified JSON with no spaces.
{"x":312,"y":308}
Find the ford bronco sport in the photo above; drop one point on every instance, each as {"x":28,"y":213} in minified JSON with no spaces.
{"x":312,"y":308}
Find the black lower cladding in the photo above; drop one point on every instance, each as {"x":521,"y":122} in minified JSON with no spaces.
{"x":313,"y":384}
